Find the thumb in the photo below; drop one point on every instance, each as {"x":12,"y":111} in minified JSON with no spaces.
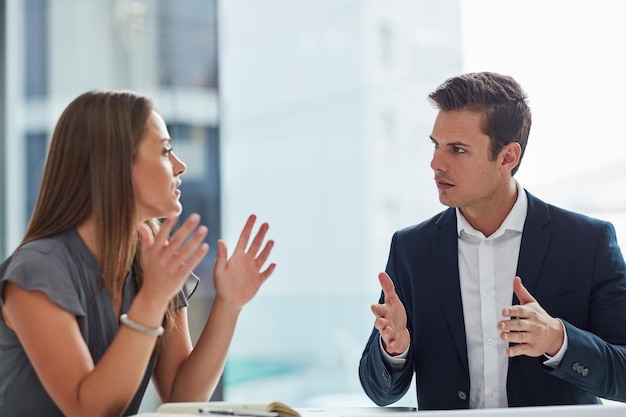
{"x":522,"y":293}
{"x":221,"y":256}
{"x":146,"y":236}
{"x":387,"y":285}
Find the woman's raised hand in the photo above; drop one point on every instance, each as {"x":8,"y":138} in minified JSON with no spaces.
{"x":238,"y":279}
{"x":168,"y":261}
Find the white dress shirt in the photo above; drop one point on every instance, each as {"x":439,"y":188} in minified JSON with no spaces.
{"x":487,"y":266}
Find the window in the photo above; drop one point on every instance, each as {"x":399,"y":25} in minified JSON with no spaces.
{"x":36,"y":47}
{"x":36,"y":149}
{"x":187,"y":39}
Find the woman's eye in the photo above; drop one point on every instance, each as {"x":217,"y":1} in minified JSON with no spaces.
{"x":167,"y":151}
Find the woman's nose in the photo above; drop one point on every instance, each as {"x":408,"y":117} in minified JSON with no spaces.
{"x":179,"y":166}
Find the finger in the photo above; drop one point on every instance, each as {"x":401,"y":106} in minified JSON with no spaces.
{"x":222,"y":256}
{"x":388,"y":332}
{"x":394,"y":346}
{"x":379,"y":310}
{"x":520,"y":350}
{"x":381,"y":325}
{"x":178,"y":239}
{"x":146,"y":236}
{"x":191,"y":245}
{"x":268,"y":271}
{"x":517,"y":311}
{"x":516,"y":325}
{"x":265,"y":253}
{"x":392,"y":339}
{"x":258,"y":239}
{"x":387,"y":285}
{"x":509,"y":325}
{"x":163,"y":235}
{"x":192,"y":262}
{"x":522,"y":293}
{"x":245,"y":234}
{"x":516,"y":336}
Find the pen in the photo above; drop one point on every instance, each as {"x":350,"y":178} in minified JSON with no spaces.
{"x":239,"y":413}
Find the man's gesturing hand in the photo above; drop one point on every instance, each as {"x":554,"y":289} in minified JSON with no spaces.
{"x":534,"y":330}
{"x":391,"y":318}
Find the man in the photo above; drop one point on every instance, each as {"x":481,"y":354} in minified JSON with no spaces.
{"x":501,"y":300}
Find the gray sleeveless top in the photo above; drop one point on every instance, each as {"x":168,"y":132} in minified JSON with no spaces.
{"x":62,"y":267}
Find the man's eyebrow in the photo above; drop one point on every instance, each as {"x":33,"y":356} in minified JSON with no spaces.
{"x":461,"y":144}
{"x":452,"y":144}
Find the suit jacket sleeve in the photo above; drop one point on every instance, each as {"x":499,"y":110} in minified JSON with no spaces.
{"x":595,"y":359}
{"x":381,"y":383}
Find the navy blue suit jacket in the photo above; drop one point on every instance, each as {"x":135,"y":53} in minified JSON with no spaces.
{"x":569,"y":262}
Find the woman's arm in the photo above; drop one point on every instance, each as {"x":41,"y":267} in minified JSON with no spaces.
{"x":183,"y":374}
{"x":56,"y":348}
{"x":54,"y":344}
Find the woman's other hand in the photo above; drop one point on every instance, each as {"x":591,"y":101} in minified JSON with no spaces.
{"x":238,"y":278}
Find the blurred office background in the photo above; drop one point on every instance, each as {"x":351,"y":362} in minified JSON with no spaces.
{"x":313,"y":115}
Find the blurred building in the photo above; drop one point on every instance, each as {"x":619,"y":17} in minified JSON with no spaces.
{"x":165,"y":49}
{"x":57,"y":50}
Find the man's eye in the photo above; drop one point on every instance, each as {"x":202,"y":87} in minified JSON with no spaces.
{"x":458,"y":150}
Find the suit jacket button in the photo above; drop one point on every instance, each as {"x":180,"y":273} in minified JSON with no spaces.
{"x":462,"y":395}
{"x":585,"y":372}
{"x":575,"y":366}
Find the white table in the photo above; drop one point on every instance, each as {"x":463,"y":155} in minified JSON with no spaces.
{"x":610,"y":410}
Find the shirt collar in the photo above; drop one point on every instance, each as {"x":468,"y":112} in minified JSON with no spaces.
{"x":514,"y":221}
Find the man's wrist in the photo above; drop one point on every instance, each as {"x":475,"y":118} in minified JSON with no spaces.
{"x":396,"y":352}
{"x":396,"y":362}
{"x":560,"y":330}
{"x":554,"y":361}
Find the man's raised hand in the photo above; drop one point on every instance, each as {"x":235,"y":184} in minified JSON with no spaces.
{"x":391,"y":319}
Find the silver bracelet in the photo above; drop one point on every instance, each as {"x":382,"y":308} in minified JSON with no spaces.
{"x":124,"y":319}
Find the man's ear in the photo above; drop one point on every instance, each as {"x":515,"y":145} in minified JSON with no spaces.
{"x":510,"y":156}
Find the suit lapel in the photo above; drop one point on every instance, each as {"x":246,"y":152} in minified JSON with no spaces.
{"x":445,"y":253}
{"x":533,"y":248}
{"x":534,"y":245}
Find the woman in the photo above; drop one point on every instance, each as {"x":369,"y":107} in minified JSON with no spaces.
{"x":94,"y":300}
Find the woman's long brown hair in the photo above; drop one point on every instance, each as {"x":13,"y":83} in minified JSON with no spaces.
{"x":88,"y":173}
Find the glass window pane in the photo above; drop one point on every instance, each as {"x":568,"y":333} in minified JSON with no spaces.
{"x":36,"y":50}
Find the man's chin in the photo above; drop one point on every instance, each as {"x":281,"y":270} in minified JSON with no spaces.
{"x":446,"y":201}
